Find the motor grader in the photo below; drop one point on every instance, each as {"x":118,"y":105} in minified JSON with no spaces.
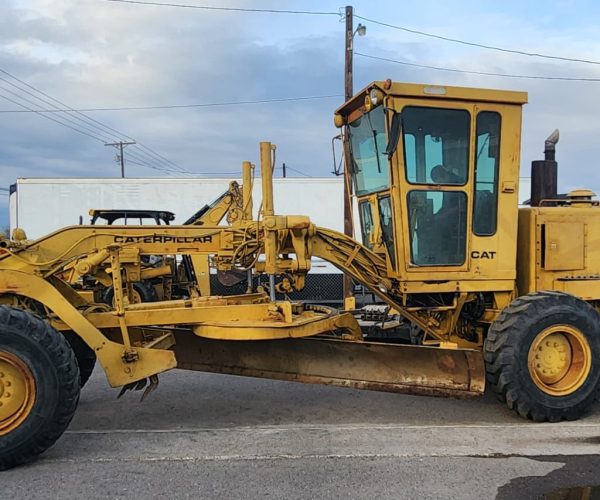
{"x":161,"y":278}
{"x":488,"y":288}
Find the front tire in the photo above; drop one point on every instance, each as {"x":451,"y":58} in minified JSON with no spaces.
{"x":85,"y":356}
{"x":543,"y":356}
{"x":39,"y":386}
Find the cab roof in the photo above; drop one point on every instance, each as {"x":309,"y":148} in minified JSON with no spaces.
{"x":443,"y":92}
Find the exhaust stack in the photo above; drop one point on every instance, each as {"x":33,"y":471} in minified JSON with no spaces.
{"x":544,"y":173}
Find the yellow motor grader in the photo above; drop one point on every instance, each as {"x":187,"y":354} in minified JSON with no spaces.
{"x":160,"y":278}
{"x":487,"y":289}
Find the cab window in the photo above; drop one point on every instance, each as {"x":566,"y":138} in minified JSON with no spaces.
{"x":367,"y":226}
{"x":368,"y":142}
{"x":485,"y":207}
{"x":386,"y":222}
{"x":437,"y":225}
{"x":436,"y":145}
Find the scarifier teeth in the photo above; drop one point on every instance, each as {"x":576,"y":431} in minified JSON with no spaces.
{"x":140,"y":385}
{"x":153,"y":385}
{"x":125,"y":388}
{"x":134,"y":386}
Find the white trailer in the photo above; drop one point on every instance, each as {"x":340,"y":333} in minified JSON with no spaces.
{"x":42,"y":205}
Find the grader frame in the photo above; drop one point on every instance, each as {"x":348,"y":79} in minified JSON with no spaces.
{"x":142,"y":333}
{"x":440,"y":250}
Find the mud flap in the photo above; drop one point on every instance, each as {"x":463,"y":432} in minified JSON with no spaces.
{"x":405,"y":369}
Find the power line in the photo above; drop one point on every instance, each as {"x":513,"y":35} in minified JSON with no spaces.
{"x":374,"y":21}
{"x":97,"y":126}
{"x":45,"y":101}
{"x":135,"y":159}
{"x":294,"y":170}
{"x":191,"y":173}
{"x":33,"y":103}
{"x":230,"y":9}
{"x":475,"y":44}
{"x":85,"y":119}
{"x":485,"y":73}
{"x":51,"y":118}
{"x":158,"y":157}
{"x":142,"y":162}
{"x":200,"y":105}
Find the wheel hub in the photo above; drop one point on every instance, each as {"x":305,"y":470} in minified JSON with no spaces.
{"x":553,"y":358}
{"x":559,"y":360}
{"x":17,"y":392}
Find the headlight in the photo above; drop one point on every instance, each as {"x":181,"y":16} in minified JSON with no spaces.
{"x":376,"y":96}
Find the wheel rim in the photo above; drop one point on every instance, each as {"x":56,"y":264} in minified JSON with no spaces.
{"x":17,"y":392}
{"x":136,"y":298}
{"x":560,"y":360}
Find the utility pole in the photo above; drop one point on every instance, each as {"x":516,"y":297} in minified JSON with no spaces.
{"x":284,"y":171}
{"x":120,"y":145}
{"x":348,"y":225}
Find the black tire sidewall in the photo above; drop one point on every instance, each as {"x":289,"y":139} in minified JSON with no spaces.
{"x":146,"y":291}
{"x":54,"y":369}
{"x":47,"y":389}
{"x":586,"y":320}
{"x":85,"y":356}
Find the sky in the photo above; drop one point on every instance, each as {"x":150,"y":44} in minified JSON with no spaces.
{"x":102,"y":54}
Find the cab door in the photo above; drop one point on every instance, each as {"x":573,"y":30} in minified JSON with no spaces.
{"x":457,"y":190}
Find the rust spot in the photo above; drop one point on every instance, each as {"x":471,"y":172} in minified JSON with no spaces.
{"x":446,"y":363}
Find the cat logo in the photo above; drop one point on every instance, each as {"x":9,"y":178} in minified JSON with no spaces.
{"x":475,"y":254}
{"x":160,"y":238}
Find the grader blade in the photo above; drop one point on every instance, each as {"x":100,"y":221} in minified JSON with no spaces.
{"x":405,"y":369}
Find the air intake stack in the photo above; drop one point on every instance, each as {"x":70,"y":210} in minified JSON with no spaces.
{"x":544,"y":173}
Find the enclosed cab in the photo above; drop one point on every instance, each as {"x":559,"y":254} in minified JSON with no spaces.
{"x":435,"y":172}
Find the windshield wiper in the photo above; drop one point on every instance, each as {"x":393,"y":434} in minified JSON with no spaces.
{"x":375,"y":143}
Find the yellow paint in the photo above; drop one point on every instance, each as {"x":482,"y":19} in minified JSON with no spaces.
{"x":549,"y":248}
{"x":17,"y":392}
{"x":559,"y":360}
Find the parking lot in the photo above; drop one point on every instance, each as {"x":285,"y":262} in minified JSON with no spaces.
{"x":215,"y":436}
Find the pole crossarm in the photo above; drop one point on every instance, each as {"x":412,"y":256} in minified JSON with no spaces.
{"x":121,"y":145}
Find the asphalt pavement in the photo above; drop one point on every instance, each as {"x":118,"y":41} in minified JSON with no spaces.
{"x":218,"y":436}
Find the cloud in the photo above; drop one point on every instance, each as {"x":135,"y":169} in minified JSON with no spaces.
{"x":102,"y":54}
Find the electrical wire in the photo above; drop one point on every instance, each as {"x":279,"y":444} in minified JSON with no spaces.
{"x":178,"y":106}
{"x":229,"y":9}
{"x":294,"y":170}
{"x":141,"y":154}
{"x":141,"y":162}
{"x":484,"y":73}
{"x":369,"y":20}
{"x":51,"y":118}
{"x":480,"y":45}
{"x":65,"y":118}
{"x":67,"y":108}
{"x":192,"y":173}
{"x":97,"y":127}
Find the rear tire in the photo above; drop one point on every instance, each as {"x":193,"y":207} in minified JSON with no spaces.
{"x":39,"y":386}
{"x":143,"y":290}
{"x":542,"y":356}
{"x":85,"y":356}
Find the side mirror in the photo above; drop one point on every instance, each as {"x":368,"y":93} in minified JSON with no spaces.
{"x":337,"y":167}
{"x":394,"y":134}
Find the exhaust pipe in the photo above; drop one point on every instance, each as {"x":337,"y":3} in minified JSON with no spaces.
{"x":544,"y":173}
